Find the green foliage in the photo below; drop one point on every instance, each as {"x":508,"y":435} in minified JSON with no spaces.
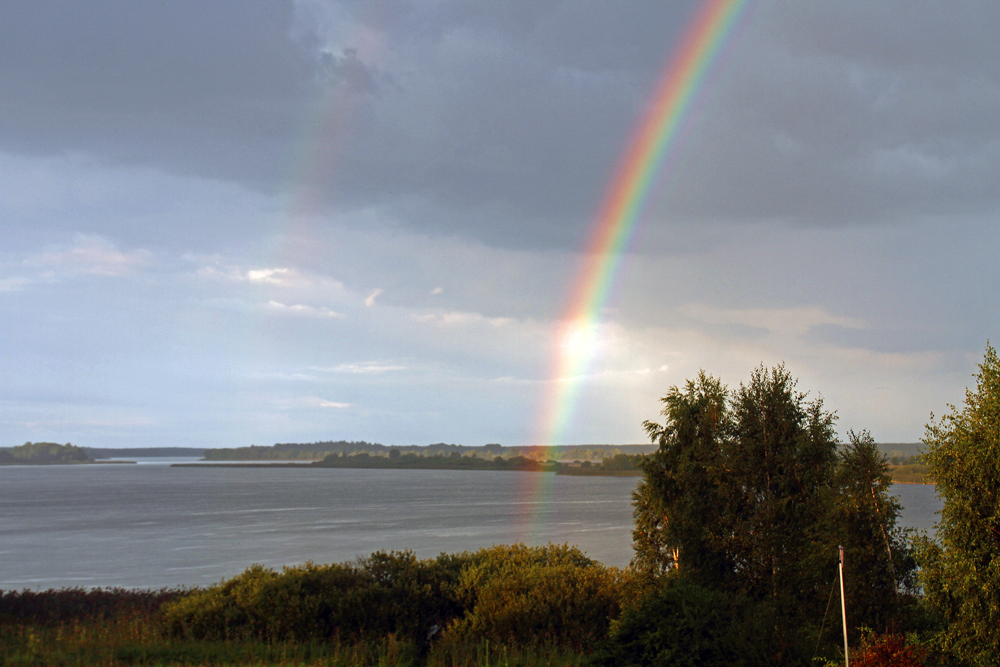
{"x":880,"y":566}
{"x":126,"y":641}
{"x":123,"y":643}
{"x":748,"y":496}
{"x":292,"y":451}
{"x":552,"y":595}
{"x":680,"y":623}
{"x":487,"y":654}
{"x":961,"y":574}
{"x":452,"y":461}
{"x":52,"y":607}
{"x":739,"y":487}
{"x":386,"y":593}
{"x":910,"y":473}
{"x":512,"y":605}
{"x":622,"y":462}
{"x":619,"y":465}
{"x":780,"y":459}
{"x":655,"y":548}
{"x":43,"y":452}
{"x":507,"y":595}
{"x":676,"y":502}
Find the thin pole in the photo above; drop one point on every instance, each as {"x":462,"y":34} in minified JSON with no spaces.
{"x":843,"y":607}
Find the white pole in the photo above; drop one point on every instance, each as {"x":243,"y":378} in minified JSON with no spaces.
{"x":843,"y":608}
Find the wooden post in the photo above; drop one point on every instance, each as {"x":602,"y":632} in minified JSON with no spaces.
{"x":843,"y":608}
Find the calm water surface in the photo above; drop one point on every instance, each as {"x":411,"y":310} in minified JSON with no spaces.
{"x":150,"y":525}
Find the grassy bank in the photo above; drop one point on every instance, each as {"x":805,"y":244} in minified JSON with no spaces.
{"x":915,"y":473}
{"x":127,"y":642}
{"x":506,"y":605}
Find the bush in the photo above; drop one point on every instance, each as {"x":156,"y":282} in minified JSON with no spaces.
{"x":388,"y":593}
{"x":888,"y":650}
{"x":680,"y":623}
{"x":52,"y":607}
{"x":552,"y":595}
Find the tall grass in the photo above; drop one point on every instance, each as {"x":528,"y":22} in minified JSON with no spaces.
{"x":134,"y":641}
{"x":126,"y":643}
{"x":374,"y":612}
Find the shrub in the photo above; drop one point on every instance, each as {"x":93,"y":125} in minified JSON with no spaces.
{"x":515,"y":594}
{"x":388,"y":593}
{"x":888,"y":650}
{"x":552,"y":595}
{"x":52,"y":607}
{"x":680,"y":623}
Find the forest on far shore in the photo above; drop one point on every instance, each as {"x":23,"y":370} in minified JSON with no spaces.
{"x":35,"y":453}
{"x":316,"y":451}
{"x":906,"y":464}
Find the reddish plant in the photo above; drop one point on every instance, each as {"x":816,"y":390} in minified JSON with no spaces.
{"x":889,"y":650}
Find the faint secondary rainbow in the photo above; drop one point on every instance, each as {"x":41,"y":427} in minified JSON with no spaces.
{"x":640,"y":170}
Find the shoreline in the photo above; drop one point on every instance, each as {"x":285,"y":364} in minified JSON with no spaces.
{"x":63,"y":463}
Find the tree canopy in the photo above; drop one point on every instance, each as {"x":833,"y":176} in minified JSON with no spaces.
{"x":750,"y":493}
{"x":961,"y":574}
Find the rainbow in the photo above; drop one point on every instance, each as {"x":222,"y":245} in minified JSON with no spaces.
{"x":640,"y":170}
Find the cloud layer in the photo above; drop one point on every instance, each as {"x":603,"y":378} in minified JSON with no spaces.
{"x":275,"y":221}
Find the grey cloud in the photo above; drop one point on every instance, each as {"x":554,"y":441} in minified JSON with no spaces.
{"x":502,"y":122}
{"x":200,"y":88}
{"x":898,"y":34}
{"x":830,"y":117}
{"x":491,"y":113}
{"x":349,"y":72}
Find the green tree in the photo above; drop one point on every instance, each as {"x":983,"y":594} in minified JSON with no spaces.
{"x":734,"y":496}
{"x":779,"y":466}
{"x":880,"y":567}
{"x":961,"y":574}
{"x":677,"y":522}
{"x":749,"y":494}
{"x":681,"y":624}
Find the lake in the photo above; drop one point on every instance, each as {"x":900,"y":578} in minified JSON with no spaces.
{"x":151,"y":525}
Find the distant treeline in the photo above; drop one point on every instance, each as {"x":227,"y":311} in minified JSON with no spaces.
{"x":624,"y":465}
{"x":35,"y":453}
{"x":579,"y":460}
{"x":40,"y":453}
{"x":316,"y":451}
{"x":618,"y":464}
{"x":453,"y":461}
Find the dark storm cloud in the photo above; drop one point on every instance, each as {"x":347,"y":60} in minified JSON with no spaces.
{"x":485,"y":113}
{"x":502,"y":121}
{"x":209,"y":89}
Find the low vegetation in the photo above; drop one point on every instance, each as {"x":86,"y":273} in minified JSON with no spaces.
{"x":619,"y":465}
{"x":914,"y":473}
{"x":506,"y":604}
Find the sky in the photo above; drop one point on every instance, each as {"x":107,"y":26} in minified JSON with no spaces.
{"x":247,"y":221}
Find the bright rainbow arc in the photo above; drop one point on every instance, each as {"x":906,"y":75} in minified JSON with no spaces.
{"x":639,"y":170}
